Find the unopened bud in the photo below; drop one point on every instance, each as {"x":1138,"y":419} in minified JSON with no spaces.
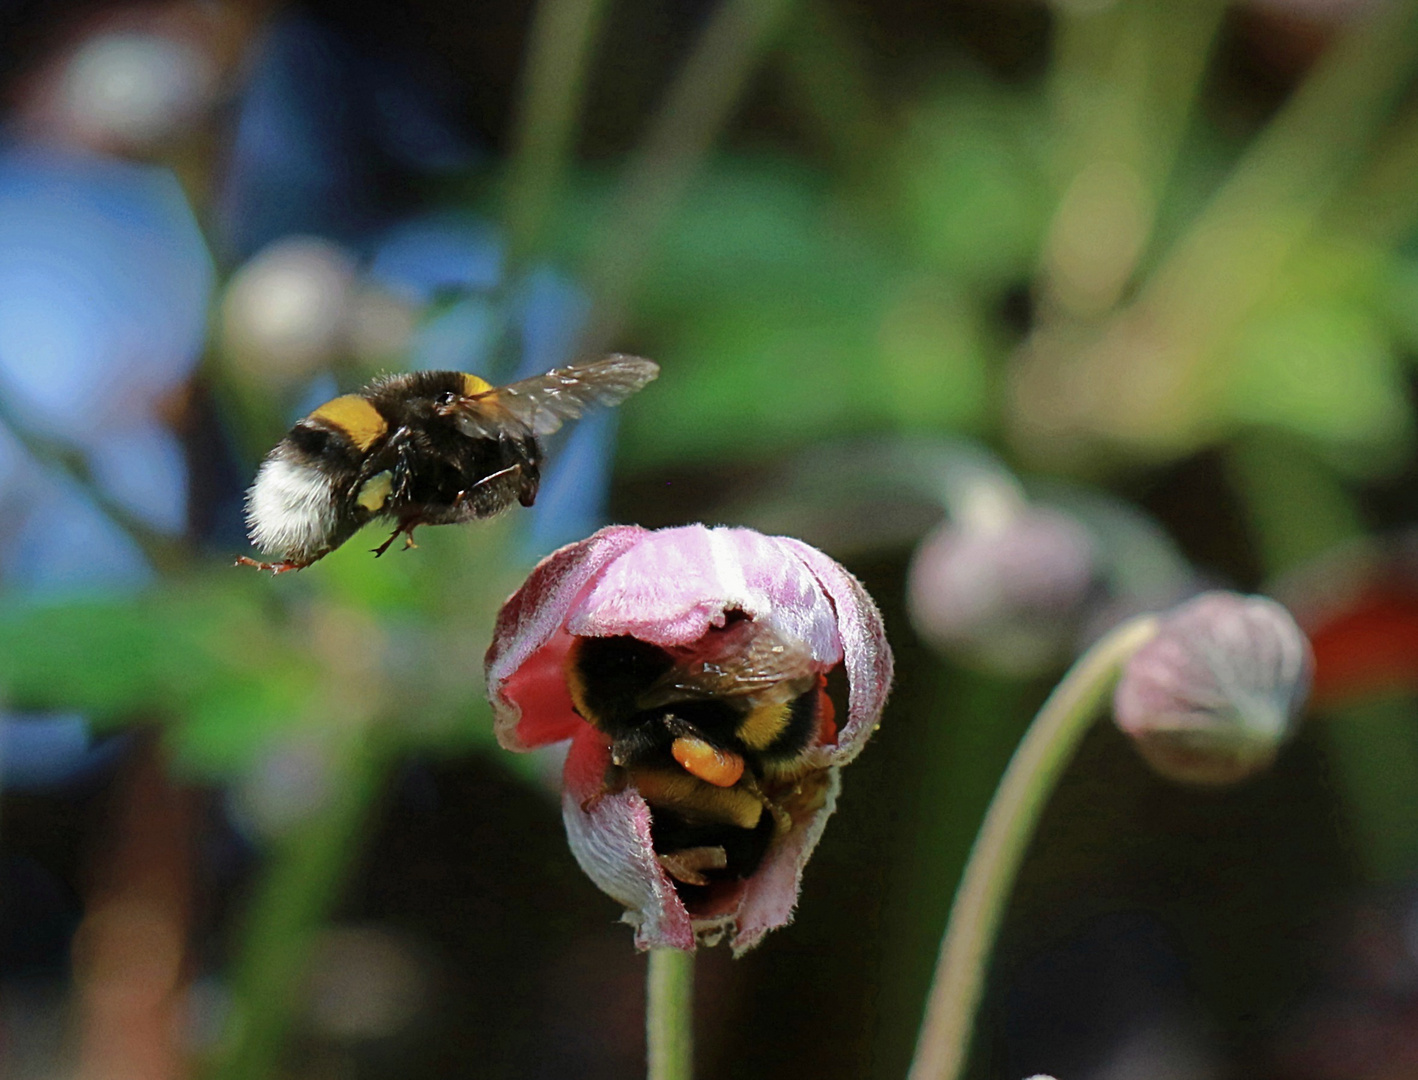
{"x":1211,"y":698}
{"x":1007,"y":596}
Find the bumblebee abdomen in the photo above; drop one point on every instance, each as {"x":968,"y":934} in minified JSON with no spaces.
{"x":607,"y":675}
{"x":775,"y":735}
{"x":354,"y":417}
{"x":297,"y":506}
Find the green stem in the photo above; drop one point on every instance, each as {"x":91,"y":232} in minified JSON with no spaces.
{"x":669,"y":1015}
{"x":1125,"y":80}
{"x":999,"y":848}
{"x":703,"y":95}
{"x":163,"y":552}
{"x":554,"y":82}
{"x":292,"y":901}
{"x":1381,"y":207}
{"x":821,"y":55}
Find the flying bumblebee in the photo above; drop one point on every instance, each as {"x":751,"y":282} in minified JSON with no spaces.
{"x":424,"y":448}
{"x":710,"y":735}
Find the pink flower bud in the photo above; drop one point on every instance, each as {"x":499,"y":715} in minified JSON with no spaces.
{"x":1210,"y":699}
{"x":1007,"y":596}
{"x":687,"y":667}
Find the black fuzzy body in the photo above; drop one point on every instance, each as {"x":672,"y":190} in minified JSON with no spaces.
{"x":438,"y":474}
{"x":609,"y":675}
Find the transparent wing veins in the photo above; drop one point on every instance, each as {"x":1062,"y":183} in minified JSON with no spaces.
{"x":541,"y":404}
{"x":752,"y":661}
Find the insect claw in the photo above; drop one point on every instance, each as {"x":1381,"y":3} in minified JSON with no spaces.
{"x":613,"y":783}
{"x":406,"y":529}
{"x":382,"y":548}
{"x":283,"y":567}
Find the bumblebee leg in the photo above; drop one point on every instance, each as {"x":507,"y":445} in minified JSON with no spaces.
{"x":467,"y":497}
{"x":688,"y":865}
{"x":404,"y":529}
{"x":282,"y":567}
{"x":615,"y":781}
{"x":782,"y":820}
{"x":382,"y":548}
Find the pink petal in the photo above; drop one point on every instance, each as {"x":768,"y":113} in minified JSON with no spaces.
{"x":675,"y":584}
{"x":611,"y":842}
{"x":528,"y":620}
{"x":772,"y":892}
{"x":866,"y":654}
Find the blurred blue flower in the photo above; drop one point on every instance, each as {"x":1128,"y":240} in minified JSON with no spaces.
{"x":105,"y":282}
{"x":295,"y":165}
{"x":143,"y":470}
{"x":462,"y":337}
{"x":426,"y":257}
{"x":550,"y":314}
{"x":104,"y":285}
{"x":45,"y":751}
{"x":319,"y":123}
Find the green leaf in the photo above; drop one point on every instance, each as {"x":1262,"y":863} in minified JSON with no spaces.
{"x":1325,"y":370}
{"x":973,"y":187}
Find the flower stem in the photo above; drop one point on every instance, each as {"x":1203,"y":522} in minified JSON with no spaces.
{"x":1292,"y":172}
{"x":300,"y":886}
{"x":669,"y":1015}
{"x":698,"y":104}
{"x":975,"y":917}
{"x":554,"y":81}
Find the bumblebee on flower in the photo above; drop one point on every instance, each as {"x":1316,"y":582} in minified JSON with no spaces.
{"x":688,"y":667}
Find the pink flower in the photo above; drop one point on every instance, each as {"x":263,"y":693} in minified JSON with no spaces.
{"x":697,"y":661}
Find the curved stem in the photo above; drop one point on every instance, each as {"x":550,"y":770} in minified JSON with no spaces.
{"x":941,"y":1052}
{"x":669,"y":1015}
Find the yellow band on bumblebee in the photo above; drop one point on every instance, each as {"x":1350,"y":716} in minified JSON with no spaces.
{"x":763,"y":725}
{"x":473,"y":386}
{"x":356,"y":417}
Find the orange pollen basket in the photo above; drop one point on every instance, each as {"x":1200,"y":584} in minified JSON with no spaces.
{"x":718,"y":767}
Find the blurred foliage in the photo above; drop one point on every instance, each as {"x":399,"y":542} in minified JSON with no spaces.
{"x":919,"y":271}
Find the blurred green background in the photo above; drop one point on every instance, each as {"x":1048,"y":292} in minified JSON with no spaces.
{"x":1035,"y":315}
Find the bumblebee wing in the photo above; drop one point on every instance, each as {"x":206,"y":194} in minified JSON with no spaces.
{"x":741,"y":663}
{"x":541,"y":404}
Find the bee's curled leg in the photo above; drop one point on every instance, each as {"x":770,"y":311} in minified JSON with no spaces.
{"x":468,"y":498}
{"x":782,"y":820}
{"x":688,"y":865}
{"x":616,"y":780}
{"x":282,"y":567}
